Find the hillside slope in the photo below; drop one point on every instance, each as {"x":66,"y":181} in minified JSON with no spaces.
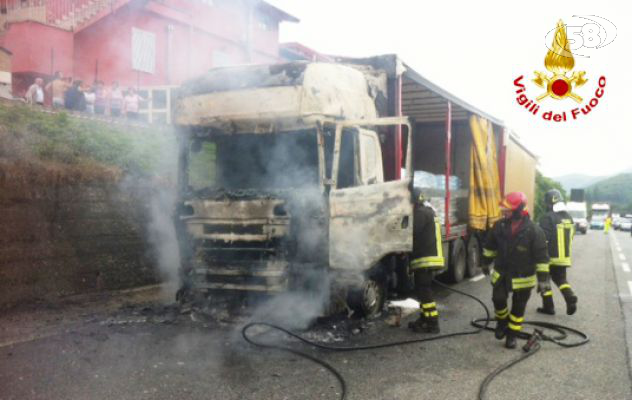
{"x":616,"y":190}
{"x":578,"y":181}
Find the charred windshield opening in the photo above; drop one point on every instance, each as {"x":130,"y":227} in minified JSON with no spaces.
{"x":286,"y":160}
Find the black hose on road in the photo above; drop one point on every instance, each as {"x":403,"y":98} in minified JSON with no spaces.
{"x":480,"y":324}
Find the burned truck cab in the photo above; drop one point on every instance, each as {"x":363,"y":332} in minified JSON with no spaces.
{"x":281,"y":183}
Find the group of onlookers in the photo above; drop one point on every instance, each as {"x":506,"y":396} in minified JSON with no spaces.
{"x":94,"y":99}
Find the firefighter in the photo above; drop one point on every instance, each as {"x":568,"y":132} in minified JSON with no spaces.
{"x":427,"y":257}
{"x":607,"y":224}
{"x":559,"y":229}
{"x":518,"y":247}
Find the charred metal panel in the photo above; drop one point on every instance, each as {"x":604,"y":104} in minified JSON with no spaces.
{"x":326,"y":90}
{"x":256,"y":244}
{"x":368,"y":223}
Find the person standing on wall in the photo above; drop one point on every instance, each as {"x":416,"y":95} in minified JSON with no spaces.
{"x":559,"y":229}
{"x":131,"y":104}
{"x":427,"y":257}
{"x":35,"y":92}
{"x":74,"y":98}
{"x":57,"y":87}
{"x":100,"y":100}
{"x":115,"y":97}
{"x":519,"y":250}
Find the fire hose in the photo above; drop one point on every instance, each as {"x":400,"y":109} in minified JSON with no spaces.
{"x":529,"y":349}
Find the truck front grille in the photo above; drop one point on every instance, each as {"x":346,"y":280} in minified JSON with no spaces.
{"x":234,"y":229}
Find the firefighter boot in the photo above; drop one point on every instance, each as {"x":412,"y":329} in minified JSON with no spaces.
{"x":570,"y":297}
{"x":547,"y":304}
{"x":571,"y":303}
{"x":510,"y":341}
{"x":425,"y":325}
{"x":501,"y":329}
{"x":418,"y":322}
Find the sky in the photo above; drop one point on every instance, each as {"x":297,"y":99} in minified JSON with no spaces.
{"x":476,"y":50}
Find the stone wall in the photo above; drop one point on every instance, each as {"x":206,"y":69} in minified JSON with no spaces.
{"x":67,"y":230}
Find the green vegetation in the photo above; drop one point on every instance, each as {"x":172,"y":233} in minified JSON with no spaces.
{"x":543,"y":185}
{"x":26,"y":133}
{"x":202,"y":166}
{"x":616,"y":191}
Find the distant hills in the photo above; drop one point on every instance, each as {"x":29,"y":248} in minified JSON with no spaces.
{"x":578,"y":181}
{"x":616,"y":190}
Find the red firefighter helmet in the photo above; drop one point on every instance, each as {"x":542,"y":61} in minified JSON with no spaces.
{"x":514,"y":200}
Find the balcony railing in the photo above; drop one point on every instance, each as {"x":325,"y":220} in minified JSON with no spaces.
{"x":65,"y":14}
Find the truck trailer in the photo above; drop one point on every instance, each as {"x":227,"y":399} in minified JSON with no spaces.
{"x":300,"y":176}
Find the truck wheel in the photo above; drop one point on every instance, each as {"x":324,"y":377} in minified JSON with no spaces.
{"x":473,"y":257}
{"x":368,"y":299}
{"x":457,"y":262}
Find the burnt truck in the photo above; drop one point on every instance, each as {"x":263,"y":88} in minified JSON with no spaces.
{"x":300,"y":176}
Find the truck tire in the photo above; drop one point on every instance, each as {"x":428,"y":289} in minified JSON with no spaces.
{"x":473,"y":257}
{"x":458,"y":261}
{"x":368,"y":300}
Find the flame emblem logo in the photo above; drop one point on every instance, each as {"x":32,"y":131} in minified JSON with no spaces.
{"x":559,"y":61}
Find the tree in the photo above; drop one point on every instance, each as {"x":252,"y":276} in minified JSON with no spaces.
{"x":542,"y":185}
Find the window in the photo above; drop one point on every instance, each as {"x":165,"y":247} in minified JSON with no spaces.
{"x":370,"y":157}
{"x":266,"y":22}
{"x":347,"y":170}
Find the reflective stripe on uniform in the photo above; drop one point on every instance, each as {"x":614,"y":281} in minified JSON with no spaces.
{"x":560,"y":262}
{"x":438,"y":238}
{"x":432,"y":261}
{"x":548,"y":293}
{"x":434,"y":313}
{"x":564,"y":257}
{"x":514,"y":327}
{"x":565,"y":286}
{"x":489,"y":253}
{"x":502,"y":314}
{"x":425,"y":262}
{"x":523,"y":283}
{"x":495,"y":277}
{"x":426,"y":306}
{"x":542,"y":267}
{"x":515,"y":319}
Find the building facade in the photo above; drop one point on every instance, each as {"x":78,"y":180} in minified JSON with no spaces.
{"x":140,"y":43}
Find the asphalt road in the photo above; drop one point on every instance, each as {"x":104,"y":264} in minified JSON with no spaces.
{"x":93,"y":352}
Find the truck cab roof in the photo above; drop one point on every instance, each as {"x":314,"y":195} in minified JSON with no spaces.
{"x":275,"y":97}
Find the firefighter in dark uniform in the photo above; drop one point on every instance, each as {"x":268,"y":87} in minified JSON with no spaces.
{"x":518,"y":247}
{"x":427,"y":257}
{"x":559,"y":229}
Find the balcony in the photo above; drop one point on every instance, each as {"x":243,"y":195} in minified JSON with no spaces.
{"x":65,"y":14}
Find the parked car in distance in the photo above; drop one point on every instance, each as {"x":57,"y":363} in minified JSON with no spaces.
{"x":616,"y":223}
{"x":625,"y":224}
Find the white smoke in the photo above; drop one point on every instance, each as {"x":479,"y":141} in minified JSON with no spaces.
{"x":162,"y":236}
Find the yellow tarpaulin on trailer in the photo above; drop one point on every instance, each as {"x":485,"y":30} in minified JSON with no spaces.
{"x":484,"y":182}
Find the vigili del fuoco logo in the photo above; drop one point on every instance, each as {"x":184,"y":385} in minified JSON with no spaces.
{"x":561,"y":83}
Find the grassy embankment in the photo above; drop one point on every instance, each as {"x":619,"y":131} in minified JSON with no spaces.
{"x":83,"y":145}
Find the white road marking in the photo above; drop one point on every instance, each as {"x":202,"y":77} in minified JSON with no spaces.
{"x":625,"y":267}
{"x":477,"y":278}
{"x":621,"y":256}
{"x":630,"y":286}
